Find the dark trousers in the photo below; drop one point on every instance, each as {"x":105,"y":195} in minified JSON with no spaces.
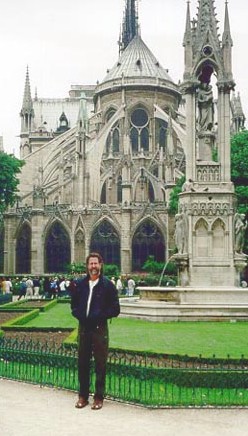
{"x":92,"y":342}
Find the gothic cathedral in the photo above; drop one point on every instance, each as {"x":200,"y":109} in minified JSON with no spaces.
{"x":100,"y":164}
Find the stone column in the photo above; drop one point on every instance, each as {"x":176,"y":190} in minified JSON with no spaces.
{"x":190,"y":150}
{"x":37,"y":243}
{"x":224,"y":130}
{"x":126,"y":243}
{"x":9,"y":245}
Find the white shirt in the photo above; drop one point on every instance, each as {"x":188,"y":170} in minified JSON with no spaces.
{"x":62,"y":285}
{"x":92,"y":283}
{"x":8,"y":286}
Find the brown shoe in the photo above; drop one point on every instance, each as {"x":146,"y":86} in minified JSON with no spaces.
{"x":97,"y":404}
{"x":82,"y":402}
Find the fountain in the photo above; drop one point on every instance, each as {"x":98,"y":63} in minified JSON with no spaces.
{"x":209,"y":231}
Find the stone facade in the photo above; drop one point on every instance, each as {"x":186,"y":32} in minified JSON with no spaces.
{"x":101,"y":181}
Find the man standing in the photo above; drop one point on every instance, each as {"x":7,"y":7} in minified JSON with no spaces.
{"x":94,"y":300}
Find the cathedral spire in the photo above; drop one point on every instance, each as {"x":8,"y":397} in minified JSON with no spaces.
{"x":187,"y":34}
{"x":27,"y":104}
{"x":207,"y":22}
{"x":227,"y":45}
{"x":27,"y":111}
{"x":226,"y":37}
{"x":130,"y":25}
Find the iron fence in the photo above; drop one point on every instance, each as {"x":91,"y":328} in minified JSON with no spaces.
{"x":143,"y":378}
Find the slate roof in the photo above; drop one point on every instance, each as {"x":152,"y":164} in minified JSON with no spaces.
{"x":137,"y":60}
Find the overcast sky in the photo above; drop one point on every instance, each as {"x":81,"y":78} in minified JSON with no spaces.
{"x":74,"y":42}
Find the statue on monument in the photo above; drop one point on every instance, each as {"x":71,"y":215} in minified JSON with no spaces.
{"x":240,"y":226}
{"x":188,"y":186}
{"x":181,"y":232}
{"x":206,"y":107}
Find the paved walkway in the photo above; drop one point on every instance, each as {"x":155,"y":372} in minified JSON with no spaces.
{"x":28,"y":410}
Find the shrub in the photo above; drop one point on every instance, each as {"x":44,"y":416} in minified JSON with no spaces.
{"x":151,"y":265}
{"x":111,"y":270}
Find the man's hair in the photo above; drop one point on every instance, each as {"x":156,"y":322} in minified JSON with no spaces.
{"x":99,"y":257}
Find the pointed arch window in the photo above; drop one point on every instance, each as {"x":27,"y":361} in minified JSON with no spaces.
{"x":57,"y":249}
{"x":23,"y":250}
{"x":218,"y":241}
{"x":147,"y":241}
{"x":151,"y":194}
{"x":116,"y":140}
{"x":113,"y":140}
{"x":103,"y":199}
{"x":119,"y":190}
{"x":144,"y":139}
{"x":110,"y":113}
{"x":161,"y":133}
{"x":201,"y":232}
{"x":139,"y":130}
{"x":108,"y":143}
{"x":134,"y":136}
{"x":105,"y":240}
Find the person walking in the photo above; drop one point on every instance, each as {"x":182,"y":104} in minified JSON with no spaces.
{"x":94,"y":300}
{"x":22,"y":289}
{"x":36,"y":283}
{"x":8,"y":286}
{"x":130,"y":287}
{"x":30,"y":287}
{"x":119,"y":285}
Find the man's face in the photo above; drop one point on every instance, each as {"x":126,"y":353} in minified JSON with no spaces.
{"x":94,"y":267}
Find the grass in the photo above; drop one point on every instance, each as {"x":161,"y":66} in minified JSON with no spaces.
{"x":191,"y":338}
{"x":58,"y":316}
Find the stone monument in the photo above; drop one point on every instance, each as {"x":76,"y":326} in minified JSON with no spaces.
{"x":209,"y":233}
{"x":213,"y":254}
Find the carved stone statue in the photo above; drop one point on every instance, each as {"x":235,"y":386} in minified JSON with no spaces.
{"x":240,"y":225}
{"x":188,"y":186}
{"x":181,"y":232}
{"x":206,"y":107}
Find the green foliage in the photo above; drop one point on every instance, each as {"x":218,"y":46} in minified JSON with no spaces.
{"x":80,"y":267}
{"x":154,"y":280}
{"x":239,"y":158}
{"x":76,"y":267}
{"x":242,"y":198}
{"x":21,"y":320}
{"x":154,"y":267}
{"x":173,"y":202}
{"x":10,"y":166}
{"x":111,"y":270}
{"x":239,"y":174}
{"x":151,"y":265}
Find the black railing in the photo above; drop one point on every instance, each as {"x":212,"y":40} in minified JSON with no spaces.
{"x":143,"y":378}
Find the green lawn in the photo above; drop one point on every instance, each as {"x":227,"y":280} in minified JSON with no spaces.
{"x":191,"y":338}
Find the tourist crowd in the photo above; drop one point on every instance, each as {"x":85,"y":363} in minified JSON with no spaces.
{"x":56,"y":286}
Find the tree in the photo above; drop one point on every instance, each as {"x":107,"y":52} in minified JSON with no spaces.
{"x":174,"y":196}
{"x":239,"y":169}
{"x":10,"y":166}
{"x":239,"y":174}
